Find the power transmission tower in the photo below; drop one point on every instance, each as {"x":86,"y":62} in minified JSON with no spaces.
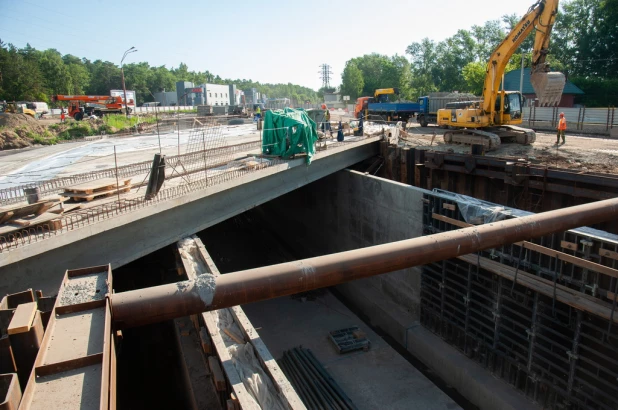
{"x":325,"y":74}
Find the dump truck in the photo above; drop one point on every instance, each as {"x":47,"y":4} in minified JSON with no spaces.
{"x":380,"y":108}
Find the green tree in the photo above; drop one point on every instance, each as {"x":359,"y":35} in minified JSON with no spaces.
{"x":79,"y":76}
{"x":474,"y":75}
{"x":352,"y":81}
{"x":20,"y":77}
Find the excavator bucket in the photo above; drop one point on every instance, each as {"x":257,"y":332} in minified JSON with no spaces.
{"x":548,"y":87}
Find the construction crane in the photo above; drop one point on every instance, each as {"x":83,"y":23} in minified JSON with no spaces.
{"x":82,"y":105}
{"x":494,"y":119}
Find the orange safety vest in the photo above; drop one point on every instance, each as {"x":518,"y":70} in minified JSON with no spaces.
{"x":562,"y":124}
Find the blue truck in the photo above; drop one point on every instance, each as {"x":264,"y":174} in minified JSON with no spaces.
{"x":379,"y":107}
{"x":425,"y":110}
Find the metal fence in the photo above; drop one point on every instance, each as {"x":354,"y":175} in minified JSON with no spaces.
{"x":583,"y":119}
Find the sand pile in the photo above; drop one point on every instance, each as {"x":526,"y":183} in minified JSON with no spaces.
{"x":17,"y":130}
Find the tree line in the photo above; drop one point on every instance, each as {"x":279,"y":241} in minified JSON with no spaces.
{"x":584,"y":46}
{"x":28,"y":74}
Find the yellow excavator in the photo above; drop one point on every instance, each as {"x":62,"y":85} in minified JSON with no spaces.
{"x":495,"y":118}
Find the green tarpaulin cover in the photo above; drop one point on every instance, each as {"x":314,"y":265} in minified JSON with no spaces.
{"x":288,"y":132}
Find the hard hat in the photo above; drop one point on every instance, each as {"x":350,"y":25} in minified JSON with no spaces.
{"x":562,"y":114}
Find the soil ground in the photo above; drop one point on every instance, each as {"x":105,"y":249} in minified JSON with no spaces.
{"x":580,"y":153}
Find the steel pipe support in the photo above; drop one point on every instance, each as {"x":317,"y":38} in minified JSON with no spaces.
{"x":159,"y":303}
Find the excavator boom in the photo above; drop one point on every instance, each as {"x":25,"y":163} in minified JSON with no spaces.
{"x":547,"y":85}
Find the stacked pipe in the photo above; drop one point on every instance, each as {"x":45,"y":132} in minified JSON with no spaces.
{"x":316,"y":388}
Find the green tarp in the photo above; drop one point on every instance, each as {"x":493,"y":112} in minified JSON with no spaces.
{"x":288,"y":132}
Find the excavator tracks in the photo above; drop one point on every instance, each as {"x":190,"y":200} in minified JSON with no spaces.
{"x":490,"y":138}
{"x":471,"y":136}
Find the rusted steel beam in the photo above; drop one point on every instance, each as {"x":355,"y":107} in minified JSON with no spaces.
{"x":159,"y":303}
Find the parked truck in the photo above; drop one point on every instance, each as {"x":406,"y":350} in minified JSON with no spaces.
{"x":430,"y":104}
{"x":379,"y":107}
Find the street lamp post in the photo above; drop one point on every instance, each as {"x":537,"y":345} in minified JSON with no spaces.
{"x":124,"y":88}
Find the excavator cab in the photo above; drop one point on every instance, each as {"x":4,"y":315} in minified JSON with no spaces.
{"x":513,"y":103}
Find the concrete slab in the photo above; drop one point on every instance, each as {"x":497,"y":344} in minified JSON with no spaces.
{"x":377,"y":379}
{"x":131,"y":235}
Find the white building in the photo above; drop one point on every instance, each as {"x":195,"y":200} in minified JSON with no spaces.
{"x":217,"y":94}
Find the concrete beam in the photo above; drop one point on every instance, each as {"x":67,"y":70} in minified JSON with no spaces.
{"x":132,"y":235}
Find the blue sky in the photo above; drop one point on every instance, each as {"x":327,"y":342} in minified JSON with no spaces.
{"x":267,"y":41}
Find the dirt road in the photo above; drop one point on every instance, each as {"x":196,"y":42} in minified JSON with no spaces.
{"x":583,"y":153}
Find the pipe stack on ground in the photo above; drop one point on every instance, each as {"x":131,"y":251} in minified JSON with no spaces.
{"x":316,"y":388}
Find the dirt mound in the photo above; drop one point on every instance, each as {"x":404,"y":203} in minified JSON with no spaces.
{"x":17,"y":130}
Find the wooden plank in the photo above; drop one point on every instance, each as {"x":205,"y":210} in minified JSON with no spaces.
{"x":91,"y":186}
{"x":22,"y":318}
{"x":21,"y":210}
{"x":65,"y":208}
{"x":217,"y":373}
{"x":210,"y":319}
{"x":569,"y":245}
{"x":450,"y":207}
{"x":451,"y":221}
{"x":270,"y":366}
{"x":237,"y":338}
{"x":608,"y":254}
{"x":205,"y":341}
{"x":76,"y":363}
{"x":92,"y":195}
{"x":564,"y":294}
{"x":582,"y":263}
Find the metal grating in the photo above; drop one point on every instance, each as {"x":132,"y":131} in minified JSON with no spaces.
{"x":558,"y":356}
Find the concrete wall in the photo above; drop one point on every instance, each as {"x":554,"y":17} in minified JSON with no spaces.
{"x":350,"y":210}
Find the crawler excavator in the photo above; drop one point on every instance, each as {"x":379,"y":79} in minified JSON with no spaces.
{"x":495,"y":118}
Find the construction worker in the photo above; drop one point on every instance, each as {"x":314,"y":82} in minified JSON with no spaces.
{"x":561,"y":129}
{"x":327,"y":122}
{"x":62,"y":115}
{"x":258,"y":113}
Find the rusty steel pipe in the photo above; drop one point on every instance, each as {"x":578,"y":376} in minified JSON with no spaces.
{"x":159,"y":303}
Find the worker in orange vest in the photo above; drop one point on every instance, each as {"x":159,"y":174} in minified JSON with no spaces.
{"x":561,"y":129}
{"x":62,"y":115}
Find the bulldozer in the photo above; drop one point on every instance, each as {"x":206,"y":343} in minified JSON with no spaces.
{"x":495,"y":119}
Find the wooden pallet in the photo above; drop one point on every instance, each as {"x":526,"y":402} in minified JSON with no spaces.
{"x":48,"y":218}
{"x":79,"y":196}
{"x":100,"y":185}
{"x":9,"y":213}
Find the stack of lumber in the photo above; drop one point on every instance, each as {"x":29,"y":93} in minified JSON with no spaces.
{"x":17,"y":217}
{"x":88,"y":191}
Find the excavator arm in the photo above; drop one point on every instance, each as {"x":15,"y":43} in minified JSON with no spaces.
{"x":548,"y":86}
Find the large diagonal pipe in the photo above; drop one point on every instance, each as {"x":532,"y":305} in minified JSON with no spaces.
{"x":159,"y":303}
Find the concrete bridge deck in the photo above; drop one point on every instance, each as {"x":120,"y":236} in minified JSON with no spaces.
{"x":135,"y":232}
